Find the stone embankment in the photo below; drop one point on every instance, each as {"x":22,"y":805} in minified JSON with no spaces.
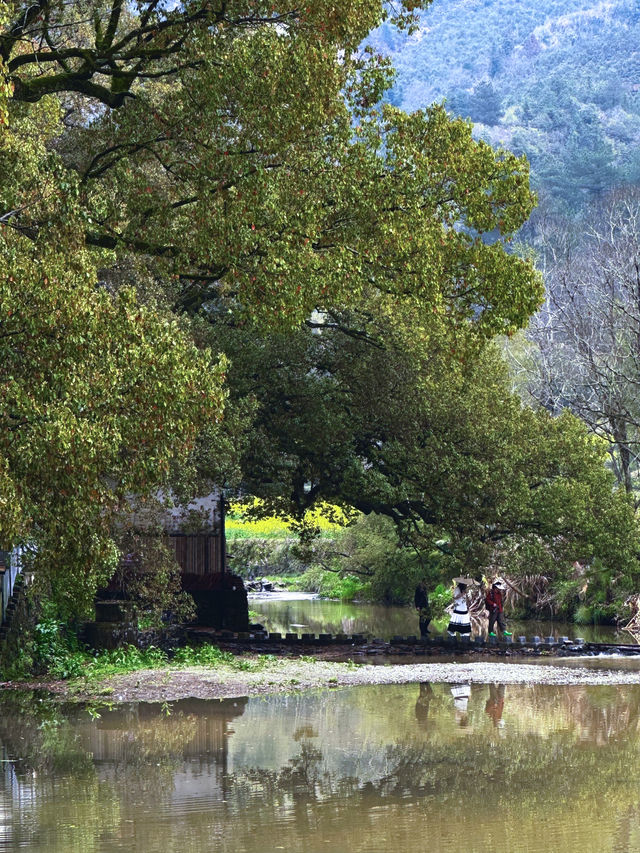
{"x":341,"y":645}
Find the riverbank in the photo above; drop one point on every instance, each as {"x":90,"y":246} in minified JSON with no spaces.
{"x":259,"y":676}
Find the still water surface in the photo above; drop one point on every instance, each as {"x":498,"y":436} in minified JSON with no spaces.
{"x":408,"y":768}
{"x":299,"y":612}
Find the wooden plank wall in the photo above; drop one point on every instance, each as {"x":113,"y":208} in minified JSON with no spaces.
{"x":198,"y":553}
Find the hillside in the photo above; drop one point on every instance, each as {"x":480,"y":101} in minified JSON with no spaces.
{"x":557,"y":80}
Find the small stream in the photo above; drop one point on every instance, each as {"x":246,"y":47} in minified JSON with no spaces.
{"x":515,"y":768}
{"x":303,"y":612}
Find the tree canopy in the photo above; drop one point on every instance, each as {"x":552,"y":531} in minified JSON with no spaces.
{"x":376,"y":410}
{"x":257,"y":131}
{"x":98,"y":394}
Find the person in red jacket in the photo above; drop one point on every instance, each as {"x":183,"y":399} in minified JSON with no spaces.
{"x":495,"y":606}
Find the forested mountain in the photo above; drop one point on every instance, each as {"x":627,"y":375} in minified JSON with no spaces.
{"x":557,"y":80}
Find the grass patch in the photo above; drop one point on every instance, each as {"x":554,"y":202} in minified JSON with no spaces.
{"x":65,"y":661}
{"x":202,"y":656}
{"x":120,"y":661}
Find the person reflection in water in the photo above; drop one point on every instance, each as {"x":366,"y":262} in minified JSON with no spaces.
{"x":461,"y":694}
{"x":495,"y":704}
{"x":422,"y":704}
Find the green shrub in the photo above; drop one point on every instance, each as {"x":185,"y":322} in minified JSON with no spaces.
{"x":259,"y":557}
{"x":567,"y":596}
{"x":596,"y":614}
{"x":439,"y":599}
{"x":329,"y":584}
{"x":151,"y":578}
{"x":56,"y":653}
{"x":345,"y":588}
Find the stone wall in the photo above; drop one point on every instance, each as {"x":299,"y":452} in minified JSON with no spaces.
{"x":221,"y":601}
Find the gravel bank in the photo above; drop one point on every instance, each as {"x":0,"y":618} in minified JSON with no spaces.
{"x":282,"y":675}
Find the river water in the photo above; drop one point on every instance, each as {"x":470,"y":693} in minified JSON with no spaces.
{"x":436,"y":767}
{"x":297,"y":612}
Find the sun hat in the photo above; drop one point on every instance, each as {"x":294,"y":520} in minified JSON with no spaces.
{"x":499,"y":583}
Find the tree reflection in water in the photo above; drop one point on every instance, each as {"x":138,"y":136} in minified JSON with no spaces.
{"x":375,"y":768}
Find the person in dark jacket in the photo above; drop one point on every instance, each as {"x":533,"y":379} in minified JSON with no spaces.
{"x":495,"y":605}
{"x":421,"y":601}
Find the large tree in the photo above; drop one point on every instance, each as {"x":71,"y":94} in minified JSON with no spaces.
{"x":98,"y":394}
{"x":234,"y":160}
{"x":242,"y":146}
{"x":415,"y":420}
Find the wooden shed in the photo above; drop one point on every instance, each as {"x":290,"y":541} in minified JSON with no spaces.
{"x":194,"y":532}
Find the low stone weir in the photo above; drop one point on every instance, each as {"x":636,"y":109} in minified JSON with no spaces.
{"x":361,"y":644}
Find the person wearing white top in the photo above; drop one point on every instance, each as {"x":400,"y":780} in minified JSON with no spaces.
{"x":460,"y":621}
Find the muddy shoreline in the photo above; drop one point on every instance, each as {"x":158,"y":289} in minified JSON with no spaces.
{"x":286,"y":675}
